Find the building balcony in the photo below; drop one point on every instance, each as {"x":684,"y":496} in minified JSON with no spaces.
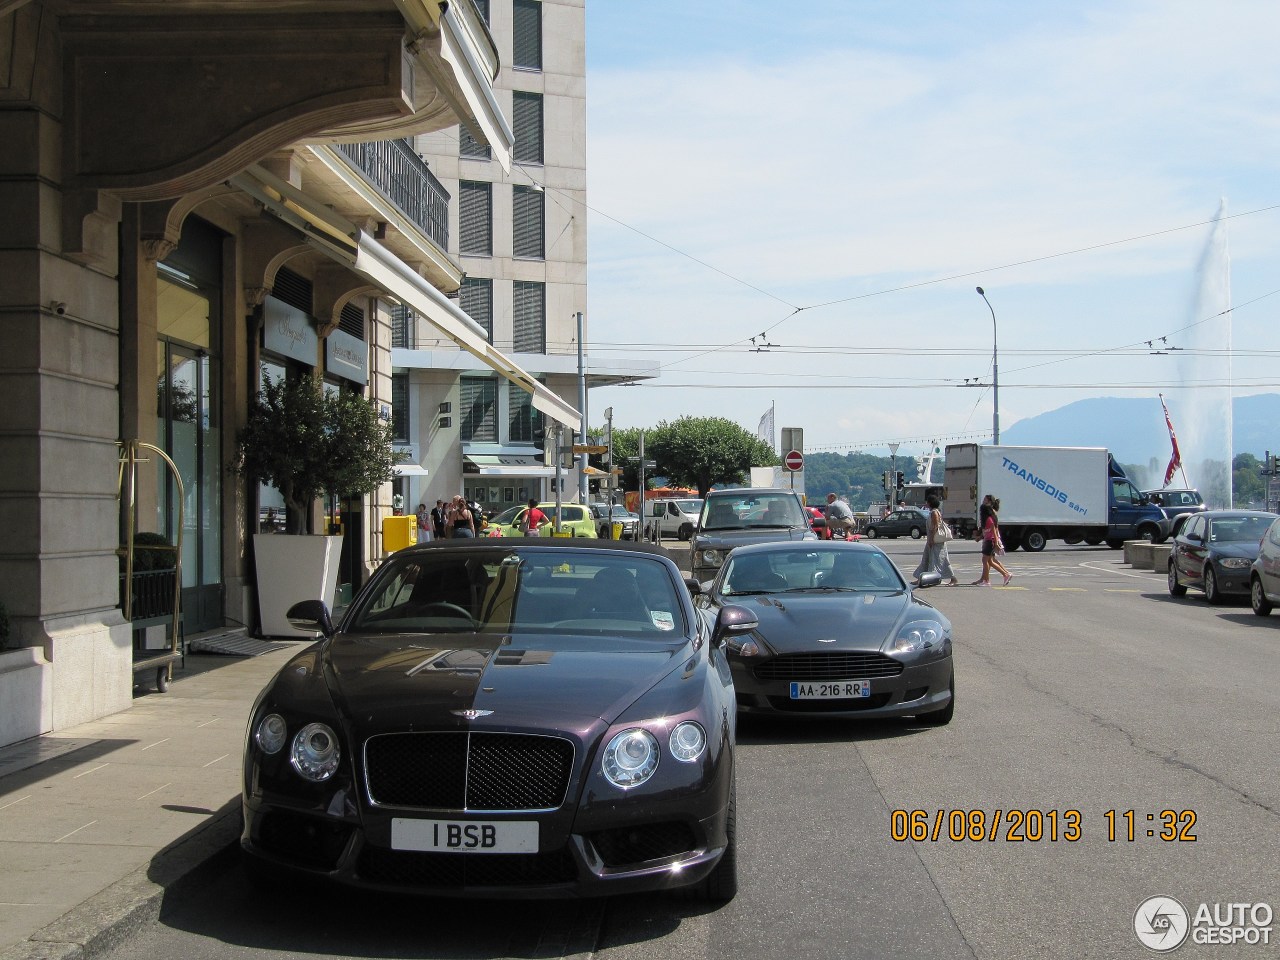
{"x":403,"y":176}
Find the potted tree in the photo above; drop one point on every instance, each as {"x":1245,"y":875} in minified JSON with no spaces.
{"x":308,"y":443}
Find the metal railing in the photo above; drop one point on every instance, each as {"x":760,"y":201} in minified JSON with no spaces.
{"x":403,"y":177}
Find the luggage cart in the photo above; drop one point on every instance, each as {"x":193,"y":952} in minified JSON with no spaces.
{"x":150,"y":598}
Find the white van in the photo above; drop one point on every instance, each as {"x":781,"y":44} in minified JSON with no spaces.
{"x":671,"y":518}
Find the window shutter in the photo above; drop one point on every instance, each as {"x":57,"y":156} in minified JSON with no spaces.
{"x":529,"y":318}
{"x":478,"y":396}
{"x":526,"y":114}
{"x":527,"y":44}
{"x":475,"y":216}
{"x":525,"y":420}
{"x":469,"y":146}
{"x":527,"y":223}
{"x":293,"y":289}
{"x":476,"y":300}
{"x":351,"y":321}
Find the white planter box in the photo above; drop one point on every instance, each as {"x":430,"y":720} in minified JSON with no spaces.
{"x":291,"y":569}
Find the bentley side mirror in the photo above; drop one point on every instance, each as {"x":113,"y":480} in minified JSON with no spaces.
{"x":311,"y":616}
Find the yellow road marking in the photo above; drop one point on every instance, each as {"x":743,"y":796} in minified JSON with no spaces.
{"x":1069,"y":589}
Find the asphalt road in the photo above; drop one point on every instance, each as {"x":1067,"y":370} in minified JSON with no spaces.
{"x":1082,"y":688}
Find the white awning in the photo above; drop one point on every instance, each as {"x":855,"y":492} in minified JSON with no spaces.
{"x":346,"y":243}
{"x":505,"y":465}
{"x":410,"y":470}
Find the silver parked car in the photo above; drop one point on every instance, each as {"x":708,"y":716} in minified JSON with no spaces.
{"x":1264,"y":574}
{"x":1214,"y":552}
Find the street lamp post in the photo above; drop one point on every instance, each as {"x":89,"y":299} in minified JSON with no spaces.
{"x":995,"y":371}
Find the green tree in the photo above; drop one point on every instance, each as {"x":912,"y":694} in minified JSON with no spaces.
{"x":1248,"y":486}
{"x":306,"y":443}
{"x":704,"y":451}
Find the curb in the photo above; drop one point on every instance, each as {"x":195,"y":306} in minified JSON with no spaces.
{"x":112,"y":915}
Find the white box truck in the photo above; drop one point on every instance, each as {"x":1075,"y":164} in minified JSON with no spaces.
{"x":1072,"y":494}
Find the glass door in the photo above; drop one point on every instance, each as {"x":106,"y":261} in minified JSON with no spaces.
{"x":188,"y":431}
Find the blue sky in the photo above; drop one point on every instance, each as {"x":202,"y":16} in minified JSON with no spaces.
{"x":871,"y":163}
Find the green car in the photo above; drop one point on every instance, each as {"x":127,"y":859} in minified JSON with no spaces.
{"x":574,"y":517}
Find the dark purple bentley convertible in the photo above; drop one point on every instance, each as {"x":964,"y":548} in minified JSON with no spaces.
{"x":503,"y":718}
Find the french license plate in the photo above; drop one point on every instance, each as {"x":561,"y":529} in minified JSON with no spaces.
{"x":464,"y":836}
{"x":831,"y":690}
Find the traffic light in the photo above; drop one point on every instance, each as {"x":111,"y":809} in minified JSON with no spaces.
{"x":888,"y":480}
{"x":902,"y":482}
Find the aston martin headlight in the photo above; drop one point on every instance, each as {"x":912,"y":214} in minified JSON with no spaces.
{"x":271,"y":734}
{"x":630,"y":758}
{"x":711,"y":558}
{"x":1235,"y":563}
{"x":315,"y":752}
{"x":687,"y":741}
{"x":917,"y":636}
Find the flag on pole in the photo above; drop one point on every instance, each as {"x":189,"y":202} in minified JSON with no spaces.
{"x":765,"y":430}
{"x":1176,"y":460}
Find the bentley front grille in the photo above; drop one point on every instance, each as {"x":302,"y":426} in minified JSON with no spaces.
{"x":468,"y":771}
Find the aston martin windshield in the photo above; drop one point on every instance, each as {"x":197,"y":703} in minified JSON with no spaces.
{"x":797,"y":569}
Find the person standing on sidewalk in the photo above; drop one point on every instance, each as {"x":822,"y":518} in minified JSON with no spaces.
{"x":935,"y":558}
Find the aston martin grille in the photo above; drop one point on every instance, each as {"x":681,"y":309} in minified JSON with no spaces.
{"x":833,"y":665}
{"x":468,"y":771}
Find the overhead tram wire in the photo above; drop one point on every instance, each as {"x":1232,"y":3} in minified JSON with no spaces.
{"x":910,"y":286}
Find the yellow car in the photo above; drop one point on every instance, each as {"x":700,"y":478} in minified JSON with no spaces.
{"x":574,"y":517}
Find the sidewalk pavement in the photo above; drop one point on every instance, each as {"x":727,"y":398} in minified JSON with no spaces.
{"x":98,"y":819}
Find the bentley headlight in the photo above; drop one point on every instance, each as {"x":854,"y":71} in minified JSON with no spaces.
{"x":687,"y":741}
{"x":1235,"y":563}
{"x":271,"y":734}
{"x":712,"y":558}
{"x":917,"y":636}
{"x":315,"y":752}
{"x":630,"y":758}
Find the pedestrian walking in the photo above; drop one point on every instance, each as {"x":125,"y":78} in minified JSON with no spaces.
{"x":992,"y":545}
{"x":425,"y":529}
{"x":533,"y":519}
{"x":438,"y":517}
{"x":935,"y":558}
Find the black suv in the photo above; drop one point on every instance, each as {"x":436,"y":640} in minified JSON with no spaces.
{"x":742,"y":515}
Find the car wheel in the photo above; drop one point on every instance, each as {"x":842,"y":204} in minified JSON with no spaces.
{"x":1258,"y":598}
{"x":915,"y":533}
{"x":871,"y":533}
{"x":940,"y":718}
{"x":1115,"y":544}
{"x":1211,"y":591}
{"x":1149,"y":534}
{"x":1093,"y":541}
{"x":721,"y":884}
{"x":685,"y":531}
{"x":1175,"y":588}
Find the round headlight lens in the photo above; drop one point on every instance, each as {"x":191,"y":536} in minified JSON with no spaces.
{"x":917,"y":636}
{"x":315,"y":752}
{"x":712,"y":558}
{"x":271,"y":734}
{"x":630,"y":758}
{"x":688,"y":740}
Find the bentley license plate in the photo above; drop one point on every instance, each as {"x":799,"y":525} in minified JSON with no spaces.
{"x":831,"y":690}
{"x":464,"y":836}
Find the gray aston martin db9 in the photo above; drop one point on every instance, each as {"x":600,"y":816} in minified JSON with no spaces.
{"x":840,"y":633}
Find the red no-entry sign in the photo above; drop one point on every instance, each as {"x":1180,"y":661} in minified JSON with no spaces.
{"x":794,"y":460}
